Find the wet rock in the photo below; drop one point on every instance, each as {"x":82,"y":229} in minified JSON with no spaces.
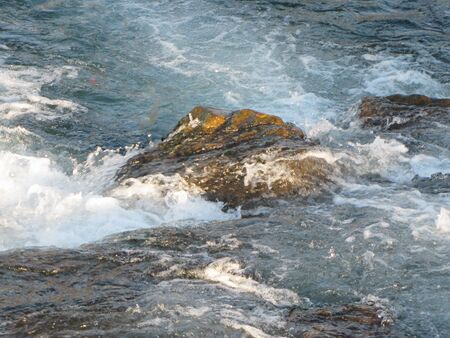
{"x":421,"y":122}
{"x":399,"y":111}
{"x":436,"y":184}
{"x":195,"y":281}
{"x":351,"y":320}
{"x":235,"y":158}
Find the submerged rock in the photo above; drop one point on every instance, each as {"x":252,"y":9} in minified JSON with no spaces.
{"x":236,"y":157}
{"x":202,"y":281}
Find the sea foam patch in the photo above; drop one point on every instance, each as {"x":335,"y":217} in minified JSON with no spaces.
{"x":386,"y":75}
{"x":443,"y":221}
{"x":21,"y":93}
{"x":41,"y":205}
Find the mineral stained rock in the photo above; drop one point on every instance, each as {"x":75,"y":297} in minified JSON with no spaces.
{"x":236,"y":157}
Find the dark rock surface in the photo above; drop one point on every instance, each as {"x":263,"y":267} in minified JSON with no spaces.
{"x":400,"y":111}
{"x":350,"y":320}
{"x":422,"y":123}
{"x":436,"y":184}
{"x":236,"y":157}
{"x":202,"y":281}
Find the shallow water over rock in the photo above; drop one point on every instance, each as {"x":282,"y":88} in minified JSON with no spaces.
{"x":219,"y":279}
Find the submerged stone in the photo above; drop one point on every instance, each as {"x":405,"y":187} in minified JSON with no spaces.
{"x":208,"y":280}
{"x":236,"y":157}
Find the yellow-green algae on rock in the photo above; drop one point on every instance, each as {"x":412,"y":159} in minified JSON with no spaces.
{"x":238,"y":157}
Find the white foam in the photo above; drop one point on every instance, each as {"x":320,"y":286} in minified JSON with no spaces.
{"x":173,"y":58}
{"x":303,"y":108}
{"x":233,"y":97}
{"x":443,"y":221}
{"x":322,"y":127}
{"x":387,"y":75}
{"x":18,"y":138}
{"x":169,"y":197}
{"x":253,"y":322}
{"x":41,"y":205}
{"x":248,"y":329}
{"x":266,"y":172}
{"x":382,"y":156}
{"x":423,"y":213}
{"x":228,"y":272}
{"x":390,"y":159}
{"x":267,"y":169}
{"x":369,"y":233}
{"x":426,"y":165}
{"x":21,"y":95}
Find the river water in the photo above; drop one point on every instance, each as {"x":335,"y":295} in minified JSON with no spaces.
{"x":85,"y":85}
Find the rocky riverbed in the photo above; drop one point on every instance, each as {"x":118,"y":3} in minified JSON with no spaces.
{"x":247,"y":276}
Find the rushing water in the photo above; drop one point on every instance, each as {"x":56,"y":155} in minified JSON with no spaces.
{"x":85,"y":84}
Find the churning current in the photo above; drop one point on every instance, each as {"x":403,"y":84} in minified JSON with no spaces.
{"x":86,"y":85}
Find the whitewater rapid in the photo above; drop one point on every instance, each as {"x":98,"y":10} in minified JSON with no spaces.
{"x":52,"y":197}
{"x":49,"y":199}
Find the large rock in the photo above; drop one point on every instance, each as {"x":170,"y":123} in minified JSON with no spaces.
{"x":235,"y":157}
{"x":200,"y":281}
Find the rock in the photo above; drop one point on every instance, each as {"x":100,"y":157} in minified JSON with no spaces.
{"x":438,"y":183}
{"x":398,"y":111}
{"x":175,"y":281}
{"x":423,"y":120}
{"x":236,"y":157}
{"x":351,"y":320}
